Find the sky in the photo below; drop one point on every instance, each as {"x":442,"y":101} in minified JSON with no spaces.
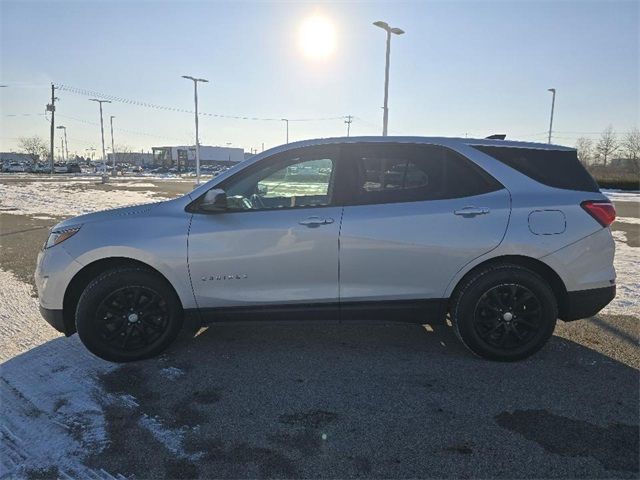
{"x":462,"y":68}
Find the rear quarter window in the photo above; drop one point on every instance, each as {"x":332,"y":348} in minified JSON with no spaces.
{"x":554,"y":168}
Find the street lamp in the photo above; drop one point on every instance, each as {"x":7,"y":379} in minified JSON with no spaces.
{"x":113,"y":152}
{"x":287,"y":121}
{"x":195,"y":98}
{"x":397,"y":31}
{"x":66,"y":144}
{"x":104,"y":165}
{"x":553,"y":103}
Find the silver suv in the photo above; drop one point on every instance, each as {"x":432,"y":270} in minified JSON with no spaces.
{"x":503,"y":237}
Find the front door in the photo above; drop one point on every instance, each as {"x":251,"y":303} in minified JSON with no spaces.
{"x":277,"y":243}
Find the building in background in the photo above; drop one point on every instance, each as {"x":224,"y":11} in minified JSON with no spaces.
{"x":137,"y":159}
{"x":184,"y":157}
{"x":15,"y":157}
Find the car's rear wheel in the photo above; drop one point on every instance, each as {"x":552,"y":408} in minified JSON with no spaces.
{"x":504,"y":312}
{"x":128,"y":314}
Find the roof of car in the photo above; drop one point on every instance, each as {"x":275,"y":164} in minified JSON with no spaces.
{"x":437,"y":140}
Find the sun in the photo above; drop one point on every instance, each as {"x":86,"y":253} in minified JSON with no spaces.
{"x":317,"y":37}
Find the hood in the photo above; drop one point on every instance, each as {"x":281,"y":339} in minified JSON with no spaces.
{"x":133,"y":211}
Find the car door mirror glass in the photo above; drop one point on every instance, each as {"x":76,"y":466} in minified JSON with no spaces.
{"x":215,"y":200}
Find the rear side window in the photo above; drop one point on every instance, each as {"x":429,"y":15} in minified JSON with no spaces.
{"x":555,"y":168}
{"x":389,"y":173}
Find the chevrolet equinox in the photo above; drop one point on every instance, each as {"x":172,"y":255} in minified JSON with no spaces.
{"x":502,"y":237}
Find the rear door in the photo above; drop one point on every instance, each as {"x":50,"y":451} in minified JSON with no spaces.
{"x":416,"y":215}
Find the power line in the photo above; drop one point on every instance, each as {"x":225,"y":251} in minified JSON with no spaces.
{"x":114,"y":98}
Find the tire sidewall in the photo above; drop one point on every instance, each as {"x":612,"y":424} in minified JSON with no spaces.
{"x":104,"y":285}
{"x":464,"y":311}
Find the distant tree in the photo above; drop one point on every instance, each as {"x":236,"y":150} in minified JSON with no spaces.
{"x":584,"y":146}
{"x":607,"y":144}
{"x":34,"y":146}
{"x":631,"y":147}
{"x":631,"y":144}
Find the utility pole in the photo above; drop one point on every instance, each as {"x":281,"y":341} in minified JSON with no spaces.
{"x":113,"y":152}
{"x":287,"y":121}
{"x":104,"y":156}
{"x":348,"y":122}
{"x":65,"y":143}
{"x":51,"y":107}
{"x":195,"y":98}
{"x":553,"y":103}
{"x":397,"y":31}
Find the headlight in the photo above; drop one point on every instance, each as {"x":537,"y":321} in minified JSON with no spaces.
{"x":59,"y":236}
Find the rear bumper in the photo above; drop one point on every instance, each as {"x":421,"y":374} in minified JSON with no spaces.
{"x":586,"y":303}
{"x":55,"y":319}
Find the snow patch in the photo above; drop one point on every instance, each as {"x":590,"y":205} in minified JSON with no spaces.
{"x":68,"y":198}
{"x":627,"y":263}
{"x":622,"y":195}
{"x":631,"y":220}
{"x":48,"y":391}
{"x":172,"y":373}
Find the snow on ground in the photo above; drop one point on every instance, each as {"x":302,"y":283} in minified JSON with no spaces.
{"x":622,"y":195}
{"x":22,"y":326}
{"x":48,"y":406}
{"x":627,"y":263}
{"x":69,"y":196}
{"x":632,"y":220}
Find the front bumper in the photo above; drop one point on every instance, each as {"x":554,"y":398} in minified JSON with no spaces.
{"x":586,"y":303}
{"x":55,"y":319}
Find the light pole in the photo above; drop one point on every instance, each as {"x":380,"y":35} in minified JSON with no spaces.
{"x":287,"y":121}
{"x":195,"y":98}
{"x":113,"y":152}
{"x":66,"y":144}
{"x":397,"y":31}
{"x":553,"y":103}
{"x":104,"y":165}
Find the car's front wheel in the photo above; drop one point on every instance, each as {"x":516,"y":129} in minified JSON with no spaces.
{"x":504,"y":312}
{"x":128,"y":314}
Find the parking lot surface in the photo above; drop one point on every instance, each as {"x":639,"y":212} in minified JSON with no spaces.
{"x":318,"y":399}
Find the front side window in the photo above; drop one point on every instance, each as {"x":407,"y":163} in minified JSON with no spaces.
{"x":303,"y":181}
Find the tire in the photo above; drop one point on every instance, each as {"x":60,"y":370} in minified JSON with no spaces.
{"x":504,"y":312}
{"x":111,"y":328}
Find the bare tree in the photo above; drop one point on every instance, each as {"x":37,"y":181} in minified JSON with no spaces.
{"x":607,"y":144}
{"x":34,"y":146}
{"x":631,"y":144}
{"x":584,"y":146}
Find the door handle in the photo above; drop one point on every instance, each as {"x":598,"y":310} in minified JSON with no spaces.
{"x":471,"y":211}
{"x":315,"y":221}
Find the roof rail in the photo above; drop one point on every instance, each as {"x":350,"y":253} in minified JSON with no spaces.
{"x":497,"y":136}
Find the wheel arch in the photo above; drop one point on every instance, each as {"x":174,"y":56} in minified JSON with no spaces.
{"x":90,"y":271}
{"x":537,"y":266}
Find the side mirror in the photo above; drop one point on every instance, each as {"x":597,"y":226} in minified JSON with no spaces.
{"x":215,"y":200}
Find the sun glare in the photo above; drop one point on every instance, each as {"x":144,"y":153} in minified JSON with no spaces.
{"x":317,"y":37}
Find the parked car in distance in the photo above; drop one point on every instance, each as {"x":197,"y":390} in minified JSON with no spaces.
{"x":17,"y":167}
{"x":502,"y":237}
{"x":60,"y":168}
{"x":40,"y":168}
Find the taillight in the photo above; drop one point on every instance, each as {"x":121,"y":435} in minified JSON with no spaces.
{"x":603,"y":212}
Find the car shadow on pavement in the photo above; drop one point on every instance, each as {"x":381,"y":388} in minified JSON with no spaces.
{"x":332,"y":400}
